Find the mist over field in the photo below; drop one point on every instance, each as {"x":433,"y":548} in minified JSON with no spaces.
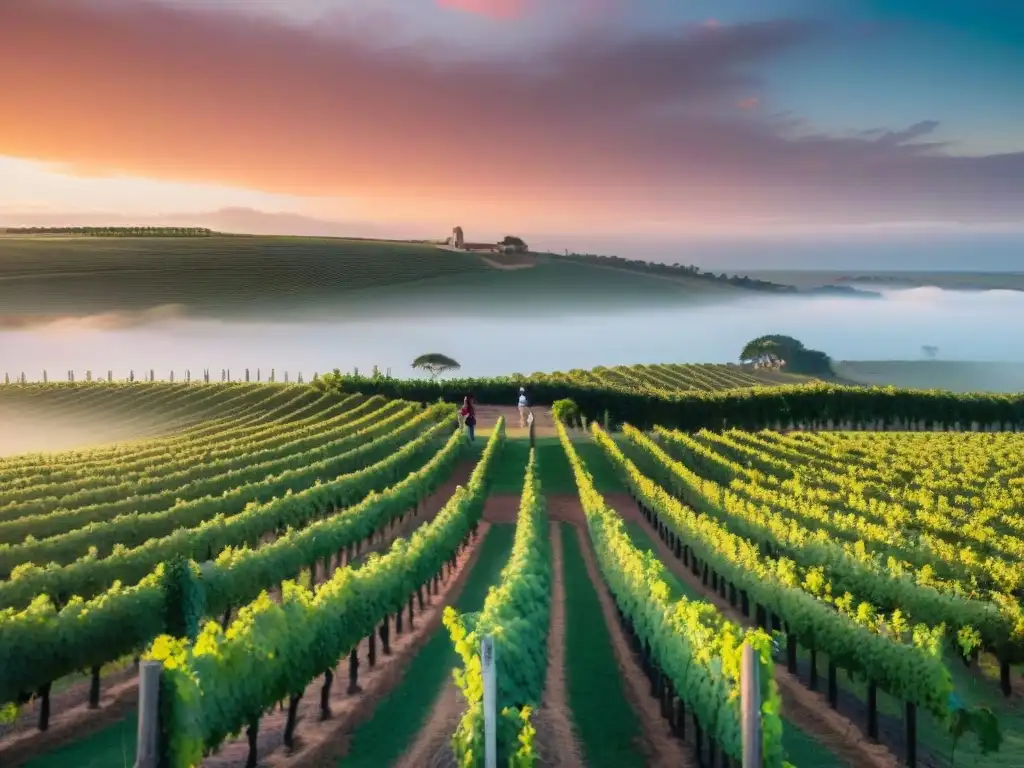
{"x":976,"y":326}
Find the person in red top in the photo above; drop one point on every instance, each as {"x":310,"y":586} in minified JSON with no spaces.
{"x":469,"y":416}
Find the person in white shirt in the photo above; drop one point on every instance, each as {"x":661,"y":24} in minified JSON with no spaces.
{"x":522,"y":407}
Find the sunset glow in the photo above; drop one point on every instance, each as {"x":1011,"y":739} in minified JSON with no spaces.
{"x":419,"y":117}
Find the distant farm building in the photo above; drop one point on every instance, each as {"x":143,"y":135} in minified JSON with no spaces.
{"x":508,"y":245}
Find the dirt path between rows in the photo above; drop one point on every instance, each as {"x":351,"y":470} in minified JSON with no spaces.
{"x":543,"y":423}
{"x":431,"y":747}
{"x":325,"y":742}
{"x":557,"y":746}
{"x":663,"y":749}
{"x":806,"y":709}
{"x":556,"y":742}
{"x":71,"y":718}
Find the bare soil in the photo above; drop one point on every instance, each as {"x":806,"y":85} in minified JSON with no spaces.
{"x":502,"y":508}
{"x":321,"y":743}
{"x":556,"y":741}
{"x":807,"y":709}
{"x":566,"y":509}
{"x":663,"y":749}
{"x":543,"y":423}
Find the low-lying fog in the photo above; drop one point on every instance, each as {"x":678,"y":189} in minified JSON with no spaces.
{"x":964,"y":326}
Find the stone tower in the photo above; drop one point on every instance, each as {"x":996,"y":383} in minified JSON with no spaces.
{"x":458,"y":241}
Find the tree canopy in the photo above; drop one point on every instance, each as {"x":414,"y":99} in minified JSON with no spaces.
{"x":776,"y":350}
{"x":435,"y":364}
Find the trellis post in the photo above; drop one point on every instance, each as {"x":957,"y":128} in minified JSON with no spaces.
{"x":750,"y":707}
{"x":490,"y":702}
{"x":147,"y":751}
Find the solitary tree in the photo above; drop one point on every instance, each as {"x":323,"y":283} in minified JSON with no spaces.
{"x":776,"y":351}
{"x":513,"y":243}
{"x":435,"y":364}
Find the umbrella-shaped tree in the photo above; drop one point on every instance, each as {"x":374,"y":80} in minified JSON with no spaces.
{"x":435,"y":364}
{"x":777,"y":350}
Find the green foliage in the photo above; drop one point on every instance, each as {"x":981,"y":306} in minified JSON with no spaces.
{"x":214,"y":687}
{"x":41,"y":643}
{"x":567,"y":412}
{"x":8,"y":713}
{"x":842,"y":554}
{"x":183,"y":598}
{"x":905,"y":660}
{"x":211,"y":480}
{"x":690,"y":641}
{"x":979,"y":721}
{"x":210,"y":531}
{"x":516,"y":615}
{"x":749,"y":408}
{"x":785,"y":350}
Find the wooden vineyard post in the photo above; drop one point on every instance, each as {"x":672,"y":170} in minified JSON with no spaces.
{"x":147,"y":752}
{"x":490,"y":702}
{"x":910,"y":716}
{"x":750,"y":708}
{"x":872,"y":710}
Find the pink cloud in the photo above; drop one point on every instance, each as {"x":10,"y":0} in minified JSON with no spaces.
{"x":750,"y":102}
{"x":596,"y":126}
{"x":495,"y":9}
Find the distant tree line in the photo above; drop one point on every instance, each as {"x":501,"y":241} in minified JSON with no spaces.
{"x":114,"y":231}
{"x":684,"y":270}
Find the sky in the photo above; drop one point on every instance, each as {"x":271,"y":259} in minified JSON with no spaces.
{"x":624,"y":118}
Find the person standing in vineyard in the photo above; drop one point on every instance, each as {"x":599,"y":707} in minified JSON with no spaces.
{"x":522,"y":407}
{"x":469,"y":416}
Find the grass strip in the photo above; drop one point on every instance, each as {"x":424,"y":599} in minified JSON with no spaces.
{"x":399,"y":716}
{"x":607,"y":726}
{"x":556,"y":477}
{"x":112,"y":747}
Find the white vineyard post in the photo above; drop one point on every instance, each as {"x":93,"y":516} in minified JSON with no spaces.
{"x":490,"y":702}
{"x":147,"y":752}
{"x":750,"y":708}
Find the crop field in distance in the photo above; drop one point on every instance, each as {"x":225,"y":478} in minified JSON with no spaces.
{"x":261,"y":276}
{"x":309,"y":568}
{"x":30,"y":419}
